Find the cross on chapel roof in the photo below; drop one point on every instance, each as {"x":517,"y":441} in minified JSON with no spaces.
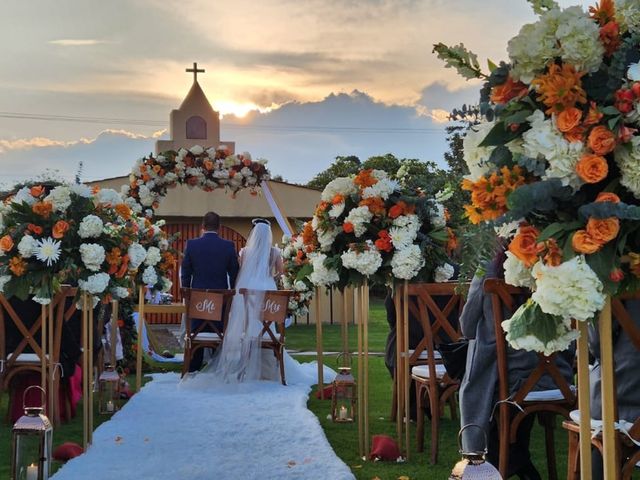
{"x":195,"y":71}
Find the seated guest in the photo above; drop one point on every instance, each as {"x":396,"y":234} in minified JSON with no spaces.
{"x":479,"y":388}
{"x":626,"y":358}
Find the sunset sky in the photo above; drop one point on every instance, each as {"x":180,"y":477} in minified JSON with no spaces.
{"x":309,"y":79}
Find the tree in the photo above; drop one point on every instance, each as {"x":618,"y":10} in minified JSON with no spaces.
{"x":342,"y":167}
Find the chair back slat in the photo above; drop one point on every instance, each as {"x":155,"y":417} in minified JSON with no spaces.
{"x":206,"y":305}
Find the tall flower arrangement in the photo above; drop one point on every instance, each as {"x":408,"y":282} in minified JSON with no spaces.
{"x":558,"y":156}
{"x":207,"y":169}
{"x":367,"y":227}
{"x":296,"y":273}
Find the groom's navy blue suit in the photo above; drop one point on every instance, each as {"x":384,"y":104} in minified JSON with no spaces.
{"x":209,"y":262}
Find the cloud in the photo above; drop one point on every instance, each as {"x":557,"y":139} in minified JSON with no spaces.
{"x":68,"y":42}
{"x":299,"y":139}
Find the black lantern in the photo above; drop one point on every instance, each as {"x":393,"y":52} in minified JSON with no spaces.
{"x":31,"y":443}
{"x":108,"y":391}
{"x":343,"y":396}
{"x":473,"y":465}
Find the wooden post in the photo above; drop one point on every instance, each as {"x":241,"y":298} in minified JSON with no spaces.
{"x":365,"y":340}
{"x":344,"y":326}
{"x":407,"y":376}
{"x":90,"y":372}
{"x":139,"y":348}
{"x":584,"y":400}
{"x":398,"y":377}
{"x":53,"y":396}
{"x":85,"y":372}
{"x":319,"y":343}
{"x":114,"y":331}
{"x":608,"y":393}
{"x":358,"y":304}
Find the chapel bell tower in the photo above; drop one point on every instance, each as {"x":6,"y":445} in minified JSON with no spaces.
{"x":195,"y":122}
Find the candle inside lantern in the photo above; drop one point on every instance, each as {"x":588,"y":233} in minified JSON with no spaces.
{"x":32,"y":472}
{"x":110,"y":406}
{"x":343,"y":413}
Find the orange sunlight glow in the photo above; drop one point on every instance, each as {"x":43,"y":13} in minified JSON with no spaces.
{"x":240,"y":110}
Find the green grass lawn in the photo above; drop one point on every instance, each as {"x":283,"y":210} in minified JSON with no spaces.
{"x":342,"y":437}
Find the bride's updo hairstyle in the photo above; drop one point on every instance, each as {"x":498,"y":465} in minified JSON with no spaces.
{"x":256,"y":221}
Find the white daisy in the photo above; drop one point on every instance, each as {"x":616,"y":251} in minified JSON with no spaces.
{"x":48,"y":250}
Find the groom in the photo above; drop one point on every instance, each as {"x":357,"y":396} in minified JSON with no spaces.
{"x":209,"y":262}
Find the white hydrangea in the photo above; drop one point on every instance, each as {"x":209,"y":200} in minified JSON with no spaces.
{"x":146,"y":196}
{"x":516,"y":273}
{"x":149,"y":276}
{"x":96,"y":283}
{"x":92,"y":255}
{"x":565,"y":335}
{"x":628,"y":15}
{"x":579,"y":38}
{"x":137,"y":255}
{"x":570,"y":290}
{"x":133,"y":204}
{"x":4,"y":279}
{"x":336,"y":210}
{"x":153,"y":256}
{"x":326,"y":238}
{"x":27,"y":246}
{"x":300,"y":286}
{"x":90,"y":227}
{"x":404,"y":230}
{"x":120,"y":292}
{"x":629,"y":164}
{"x":24,"y":196}
{"x":436,"y":215}
{"x":82,"y":190}
{"x":444,"y":273}
{"x":339,"y":186}
{"x":383,"y":188}
{"x":534,"y":46}
{"x":475,"y":156}
{"x":406,"y":263}
{"x":366,"y":262}
{"x":359,"y":217}
{"x":109,"y":196}
{"x":543,"y":139}
{"x":197,"y":150}
{"x":60,"y":198}
{"x":321,"y":275}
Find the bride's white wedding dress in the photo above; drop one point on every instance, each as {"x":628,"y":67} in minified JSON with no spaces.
{"x":241,"y":358}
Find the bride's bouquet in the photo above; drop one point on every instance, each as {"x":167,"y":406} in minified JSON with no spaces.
{"x":557,"y":161}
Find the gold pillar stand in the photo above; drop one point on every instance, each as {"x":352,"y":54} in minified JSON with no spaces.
{"x":608,"y":394}
{"x":114,"y":330}
{"x":139,"y":342}
{"x":405,"y":362}
{"x":583,"y":399}
{"x":319,"y":348}
{"x":357,"y":296}
{"x":85,"y":370}
{"x":365,"y":340}
{"x":398,"y":378}
{"x":53,"y":404}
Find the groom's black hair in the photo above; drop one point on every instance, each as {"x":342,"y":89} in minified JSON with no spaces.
{"x":211,"y":221}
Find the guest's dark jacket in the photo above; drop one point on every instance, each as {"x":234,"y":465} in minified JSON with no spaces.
{"x":207,"y":262}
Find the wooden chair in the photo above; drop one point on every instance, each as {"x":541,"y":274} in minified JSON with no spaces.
{"x":274,"y":313}
{"x":21,"y":359}
{"x":439,"y":324}
{"x":210,"y":307}
{"x":505,"y":300}
{"x":627,"y":452}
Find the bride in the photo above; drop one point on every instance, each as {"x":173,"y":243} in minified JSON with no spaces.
{"x":241,"y":358}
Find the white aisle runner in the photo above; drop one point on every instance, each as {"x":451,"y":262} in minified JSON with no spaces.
{"x":259,"y":430}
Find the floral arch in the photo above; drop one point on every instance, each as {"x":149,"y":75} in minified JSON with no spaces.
{"x":208,"y":169}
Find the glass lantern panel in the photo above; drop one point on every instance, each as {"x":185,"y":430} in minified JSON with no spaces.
{"x":28,"y":454}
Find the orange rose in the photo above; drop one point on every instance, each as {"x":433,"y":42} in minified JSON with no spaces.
{"x":43,"y":209}
{"x":6,"y":243}
{"x":524,"y":245}
{"x":603,"y":230}
{"x":36,"y":191}
{"x":592,"y":168}
{"x":583,"y":243}
{"x":17,"y":266}
{"x":347,"y":227}
{"x":510,"y":89}
{"x":568,"y":119}
{"x":551,"y":253}
{"x":35,"y":229}
{"x":608,"y":197}
{"x":123,"y":210}
{"x":601,"y":140}
{"x":60,"y":228}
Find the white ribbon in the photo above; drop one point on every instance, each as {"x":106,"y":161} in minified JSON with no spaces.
{"x":268,"y":195}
